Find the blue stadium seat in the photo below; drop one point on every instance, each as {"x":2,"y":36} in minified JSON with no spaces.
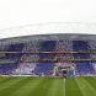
{"x":84,"y":67}
{"x":44,"y":68}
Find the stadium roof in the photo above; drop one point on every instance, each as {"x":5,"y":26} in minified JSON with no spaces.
{"x":48,"y":28}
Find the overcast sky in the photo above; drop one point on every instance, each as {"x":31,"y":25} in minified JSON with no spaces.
{"x":25,"y":12}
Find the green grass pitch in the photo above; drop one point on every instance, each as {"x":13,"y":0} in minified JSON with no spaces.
{"x":40,"y":86}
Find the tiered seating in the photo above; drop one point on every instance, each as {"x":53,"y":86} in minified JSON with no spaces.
{"x":25,"y":69}
{"x":7,"y":68}
{"x":44,"y":68}
{"x":14,"y":48}
{"x":86,"y":66}
{"x":10,"y":61}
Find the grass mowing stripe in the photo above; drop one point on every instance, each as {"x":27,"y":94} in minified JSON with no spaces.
{"x":7,"y":84}
{"x":87,"y":90}
{"x":3,"y":80}
{"x":92,"y":81}
{"x":6,"y":79}
{"x":81,"y":86}
{"x":92,"y":90}
{"x":42,"y":88}
{"x":15,"y":86}
{"x":26,"y":89}
{"x":60,"y":87}
{"x":72,"y":88}
{"x":53,"y":90}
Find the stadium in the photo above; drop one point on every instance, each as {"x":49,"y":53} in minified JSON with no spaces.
{"x":48,"y":65}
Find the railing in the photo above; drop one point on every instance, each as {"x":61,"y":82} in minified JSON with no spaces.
{"x":48,"y":52}
{"x":57,"y":59}
{"x":50,"y":60}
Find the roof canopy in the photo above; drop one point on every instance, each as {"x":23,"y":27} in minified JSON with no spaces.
{"x":47,"y":28}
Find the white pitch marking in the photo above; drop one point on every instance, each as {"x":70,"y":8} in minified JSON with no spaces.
{"x":64,"y":85}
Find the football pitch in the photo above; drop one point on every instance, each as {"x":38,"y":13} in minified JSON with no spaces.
{"x":40,"y":86}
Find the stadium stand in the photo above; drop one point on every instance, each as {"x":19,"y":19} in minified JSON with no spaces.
{"x":41,"y":56}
